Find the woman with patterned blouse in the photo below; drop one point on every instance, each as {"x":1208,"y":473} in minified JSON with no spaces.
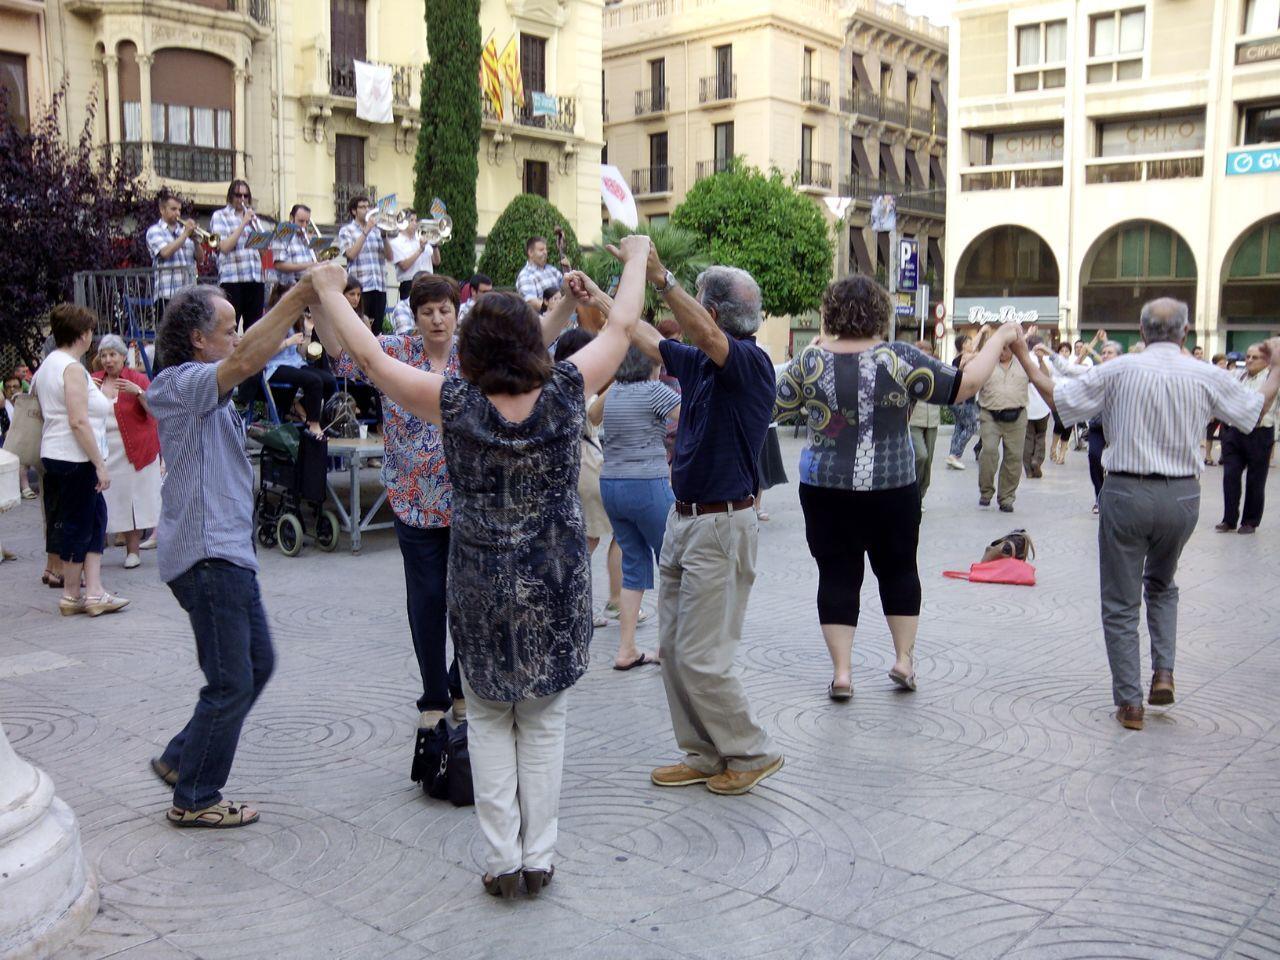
{"x":857,"y":475}
{"x":519,"y":590}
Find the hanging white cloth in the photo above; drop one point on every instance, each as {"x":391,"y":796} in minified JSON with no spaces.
{"x":373,"y":92}
{"x":617,"y":196}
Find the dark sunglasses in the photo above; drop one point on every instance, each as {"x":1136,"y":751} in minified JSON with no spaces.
{"x":241,"y":193}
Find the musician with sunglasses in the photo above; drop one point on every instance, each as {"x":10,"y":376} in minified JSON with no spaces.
{"x":239,"y":268}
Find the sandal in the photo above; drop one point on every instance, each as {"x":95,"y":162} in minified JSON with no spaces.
{"x":107,"y":603}
{"x":535,"y":880}
{"x":505,"y":886}
{"x":840,"y":693}
{"x":220,"y":816}
{"x":164,"y":771}
{"x":639,"y":661}
{"x":51,"y":579}
{"x":907,"y":681}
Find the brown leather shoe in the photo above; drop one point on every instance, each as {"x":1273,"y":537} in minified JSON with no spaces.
{"x":732,"y":783}
{"x":1224,"y":527}
{"x":1161,"y":688}
{"x":1246,"y":528}
{"x":678,"y":775}
{"x":1130,"y":715}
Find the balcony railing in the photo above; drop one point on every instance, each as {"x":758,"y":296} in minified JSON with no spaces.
{"x":815,"y":173}
{"x":709,"y":168}
{"x":1014,"y":179}
{"x":813,"y":90}
{"x":649,"y":180}
{"x":563,"y":121}
{"x":651,"y":101}
{"x":404,"y":77}
{"x":176,"y":161}
{"x":258,"y":10}
{"x":867,"y":104}
{"x":866,"y":189}
{"x":720,"y":86}
{"x":1132,"y":171}
{"x":343,"y":191}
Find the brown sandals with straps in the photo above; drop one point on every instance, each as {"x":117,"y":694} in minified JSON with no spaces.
{"x":220,"y":816}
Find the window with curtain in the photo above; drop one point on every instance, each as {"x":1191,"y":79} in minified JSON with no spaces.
{"x":1261,"y":16}
{"x":1116,"y":44}
{"x":203,"y":132}
{"x":131,"y":111}
{"x":224,"y":129}
{"x":1042,"y":55}
{"x":179,"y":124}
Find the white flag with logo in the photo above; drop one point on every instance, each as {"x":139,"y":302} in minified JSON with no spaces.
{"x":373,"y":92}
{"x":617,"y":196}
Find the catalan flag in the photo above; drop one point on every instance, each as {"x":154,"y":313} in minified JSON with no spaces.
{"x":509,"y":61}
{"x":490,"y":78}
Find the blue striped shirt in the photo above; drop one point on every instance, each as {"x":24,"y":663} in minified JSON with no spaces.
{"x":207,"y":499}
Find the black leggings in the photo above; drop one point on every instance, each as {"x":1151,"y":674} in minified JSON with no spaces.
{"x":317,"y":386}
{"x":1060,"y":429}
{"x":374,"y":305}
{"x":844,"y":525}
{"x":247,"y":298}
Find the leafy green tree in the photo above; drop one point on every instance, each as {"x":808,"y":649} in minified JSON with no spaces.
{"x":447,"y":164}
{"x":761,"y":224}
{"x":527,"y":215}
{"x":683,"y":252}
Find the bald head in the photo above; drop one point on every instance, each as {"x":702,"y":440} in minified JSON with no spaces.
{"x":1164,"y":321}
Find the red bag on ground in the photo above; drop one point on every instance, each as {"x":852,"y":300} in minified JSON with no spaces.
{"x":1005,"y":570}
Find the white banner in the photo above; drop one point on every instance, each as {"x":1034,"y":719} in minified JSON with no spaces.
{"x":373,"y":92}
{"x":617,"y":196}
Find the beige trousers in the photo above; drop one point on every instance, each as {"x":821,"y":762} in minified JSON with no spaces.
{"x":1012,"y":438}
{"x":705,"y":576}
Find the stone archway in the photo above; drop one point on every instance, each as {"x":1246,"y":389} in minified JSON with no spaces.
{"x":1250,"y":304}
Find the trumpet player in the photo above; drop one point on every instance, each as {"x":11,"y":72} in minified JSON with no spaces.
{"x":173,"y":253}
{"x":366,"y":259}
{"x":295,"y":257}
{"x":239,"y":268}
{"x":411,"y":253}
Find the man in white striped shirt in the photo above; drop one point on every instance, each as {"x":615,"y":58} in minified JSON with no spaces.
{"x":1152,"y":406}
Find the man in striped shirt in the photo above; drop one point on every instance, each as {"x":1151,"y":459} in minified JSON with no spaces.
{"x":1153,"y":406}
{"x":367,"y":252}
{"x":172,"y":252}
{"x":536,"y":276}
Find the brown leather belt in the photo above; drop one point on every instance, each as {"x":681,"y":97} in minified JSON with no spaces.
{"x":697,"y":509}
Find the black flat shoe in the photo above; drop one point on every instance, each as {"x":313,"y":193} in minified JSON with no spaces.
{"x":535,"y":880}
{"x":505,"y":885}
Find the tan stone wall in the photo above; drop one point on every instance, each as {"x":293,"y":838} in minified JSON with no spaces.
{"x":982,"y":60}
{"x":1181,"y":38}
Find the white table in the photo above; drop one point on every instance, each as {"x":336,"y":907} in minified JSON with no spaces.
{"x":356,"y":453}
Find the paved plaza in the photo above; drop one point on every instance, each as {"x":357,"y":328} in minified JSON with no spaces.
{"x":998,"y":812}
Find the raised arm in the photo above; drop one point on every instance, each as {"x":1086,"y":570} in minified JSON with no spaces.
{"x":416,"y":390}
{"x":557,"y":318}
{"x":1036,"y":373}
{"x":697,"y":325}
{"x":261,"y":341}
{"x":599,"y":359}
{"x":978,"y":370}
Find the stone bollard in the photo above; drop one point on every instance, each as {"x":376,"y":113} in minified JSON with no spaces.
{"x":47,"y":896}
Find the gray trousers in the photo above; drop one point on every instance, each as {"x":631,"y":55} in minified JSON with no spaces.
{"x":1002,"y":448}
{"x":922,"y":443}
{"x":1143,"y":526}
{"x":706,"y":571}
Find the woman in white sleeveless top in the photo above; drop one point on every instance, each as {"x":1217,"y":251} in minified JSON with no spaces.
{"x":73,"y":450}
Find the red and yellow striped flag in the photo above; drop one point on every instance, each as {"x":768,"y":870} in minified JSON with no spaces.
{"x":509,"y":61}
{"x":490,"y":78}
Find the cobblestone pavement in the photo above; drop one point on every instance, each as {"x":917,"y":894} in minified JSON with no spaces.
{"x":998,"y":812}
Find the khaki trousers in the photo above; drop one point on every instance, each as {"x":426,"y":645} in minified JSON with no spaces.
{"x":1012,"y":437}
{"x":705,"y":576}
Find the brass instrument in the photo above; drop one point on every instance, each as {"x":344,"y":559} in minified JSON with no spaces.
{"x":212,"y":241}
{"x":324,"y":253}
{"x":437,"y":231}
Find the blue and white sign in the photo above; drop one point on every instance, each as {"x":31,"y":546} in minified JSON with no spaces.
{"x":908,"y":264}
{"x":1258,"y":160}
{"x":544,"y":105}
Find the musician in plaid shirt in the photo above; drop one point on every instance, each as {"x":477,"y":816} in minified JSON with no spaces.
{"x":239,"y":268}
{"x":537,"y":275}
{"x":173,"y":254}
{"x":366,"y":260}
{"x":294,"y":257}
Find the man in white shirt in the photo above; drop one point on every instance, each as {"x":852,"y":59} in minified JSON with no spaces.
{"x":411,"y":254}
{"x":1037,"y":427}
{"x":1153,"y":405}
{"x":1248,"y":452}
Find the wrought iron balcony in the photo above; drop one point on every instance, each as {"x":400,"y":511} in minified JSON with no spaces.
{"x":866,"y":189}
{"x":651,"y":101}
{"x":563,"y":121}
{"x":815,"y":173}
{"x":177,"y":161}
{"x":815,"y":91}
{"x":720,"y":86}
{"x":343,"y":191}
{"x":650,"y":180}
{"x":709,"y":168}
{"x":860,"y":102}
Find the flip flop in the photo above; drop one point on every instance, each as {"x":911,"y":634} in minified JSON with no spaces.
{"x":839,"y":693}
{"x":639,"y":661}
{"x":907,"y":681}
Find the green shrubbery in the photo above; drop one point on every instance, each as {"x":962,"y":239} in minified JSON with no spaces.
{"x":526,"y":216}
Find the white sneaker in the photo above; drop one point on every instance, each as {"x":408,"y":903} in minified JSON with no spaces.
{"x":148,"y":544}
{"x":131,"y":561}
{"x":953,"y":463}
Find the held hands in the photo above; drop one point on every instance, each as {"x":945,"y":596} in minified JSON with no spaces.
{"x":581,"y":287}
{"x":633,"y":247}
{"x":325,"y":278}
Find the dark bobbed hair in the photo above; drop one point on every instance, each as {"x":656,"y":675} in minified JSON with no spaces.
{"x":352,"y":284}
{"x":635,"y":367}
{"x":855,"y":306}
{"x":480,"y":278}
{"x":355,"y":202}
{"x":432,"y":288}
{"x":192,"y":308}
{"x":500,"y":346}
{"x":231,"y":190}
{"x":68,"y":323}
{"x":571,"y":341}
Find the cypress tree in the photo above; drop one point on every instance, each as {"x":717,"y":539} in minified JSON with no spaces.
{"x":447,"y":164}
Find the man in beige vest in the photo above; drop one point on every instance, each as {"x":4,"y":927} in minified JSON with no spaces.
{"x":1002,"y":419}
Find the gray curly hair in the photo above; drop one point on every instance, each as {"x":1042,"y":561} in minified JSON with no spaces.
{"x":735,"y":296}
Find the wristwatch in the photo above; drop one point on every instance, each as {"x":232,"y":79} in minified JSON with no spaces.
{"x":668,"y":281}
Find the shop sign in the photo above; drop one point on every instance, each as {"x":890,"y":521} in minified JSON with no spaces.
{"x":1041,"y":145}
{"x":1146,"y":135}
{"x":1259,"y":160}
{"x":1256,"y":51}
{"x":979,"y":310}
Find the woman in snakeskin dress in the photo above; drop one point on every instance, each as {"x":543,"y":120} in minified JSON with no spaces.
{"x":519,"y":582}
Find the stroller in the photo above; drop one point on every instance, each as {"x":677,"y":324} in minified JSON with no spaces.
{"x":291,"y":492}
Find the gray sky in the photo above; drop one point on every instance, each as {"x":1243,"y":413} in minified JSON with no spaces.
{"x":937,"y":10}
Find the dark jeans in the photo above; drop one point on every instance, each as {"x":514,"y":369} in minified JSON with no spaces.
{"x":1097,"y":443}
{"x":1245,"y":453}
{"x":233,"y":646}
{"x":405,"y":287}
{"x":78,"y":519}
{"x":373,"y":303}
{"x":426,"y":565}
{"x":317,"y":386}
{"x":247,"y":298}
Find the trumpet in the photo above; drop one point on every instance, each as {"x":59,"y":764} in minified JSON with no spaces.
{"x":206,"y":239}
{"x":436,"y":232}
{"x":391,"y":223}
{"x":325,"y":253}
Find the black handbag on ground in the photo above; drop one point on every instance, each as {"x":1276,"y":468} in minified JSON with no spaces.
{"x":442,"y":764}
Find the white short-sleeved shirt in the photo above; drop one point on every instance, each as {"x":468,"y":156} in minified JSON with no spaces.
{"x":402,"y":247}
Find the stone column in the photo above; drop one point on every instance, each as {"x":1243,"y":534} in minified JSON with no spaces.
{"x":112,"y":63}
{"x":241,"y":78}
{"x":144,"y":61}
{"x":47,"y":895}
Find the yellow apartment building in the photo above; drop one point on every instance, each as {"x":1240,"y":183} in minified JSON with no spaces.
{"x":846,"y":96}
{"x":196,"y":92}
{"x":24,"y":71}
{"x":1115,"y":151}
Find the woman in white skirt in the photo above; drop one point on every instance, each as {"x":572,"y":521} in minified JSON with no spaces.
{"x":133,"y":450}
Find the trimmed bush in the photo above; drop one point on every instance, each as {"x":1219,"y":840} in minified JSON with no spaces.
{"x":526,"y":216}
